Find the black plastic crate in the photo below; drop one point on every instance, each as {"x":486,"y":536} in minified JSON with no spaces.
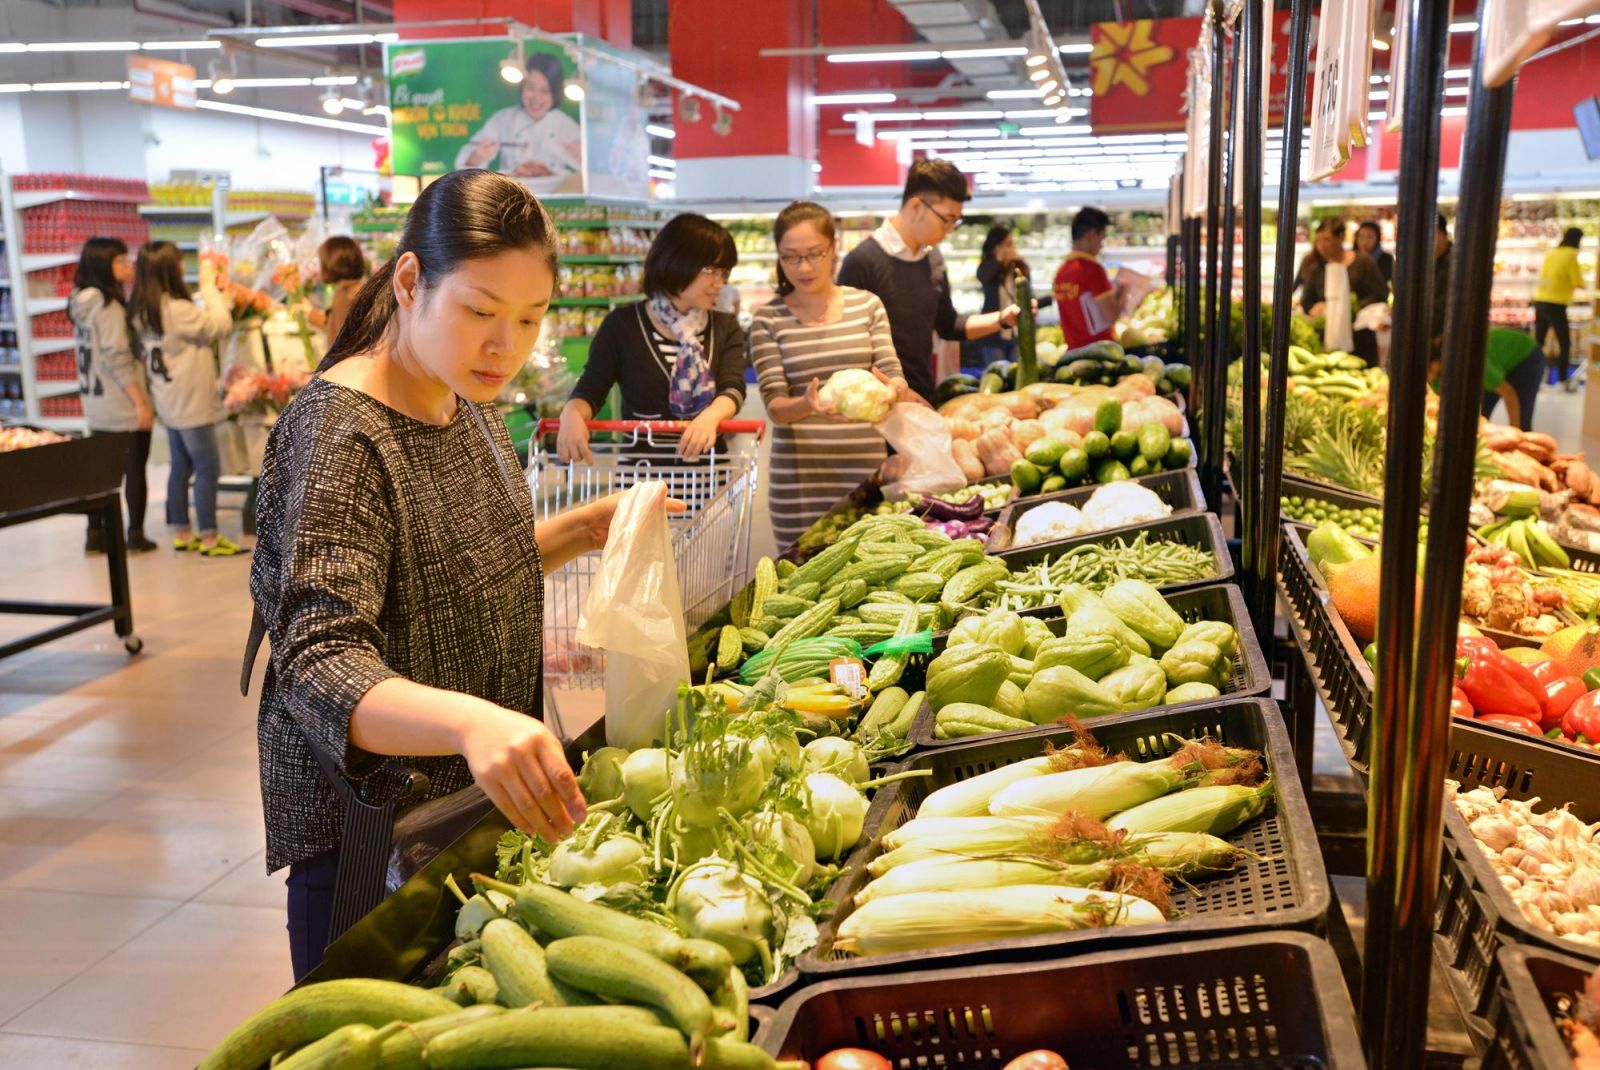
{"x":867,"y":497}
{"x":1180,"y":489}
{"x":1222,"y":602}
{"x":1284,"y":888}
{"x":1273,"y":1002}
{"x":1203,"y":530}
{"x":1474,"y":915}
{"x":1316,"y":488}
{"x":1535,"y":986}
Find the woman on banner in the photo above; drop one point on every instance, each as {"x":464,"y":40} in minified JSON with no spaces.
{"x":536,"y":141}
{"x":1330,"y":275}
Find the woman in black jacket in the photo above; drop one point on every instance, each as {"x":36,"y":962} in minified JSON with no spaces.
{"x":999,"y":289}
{"x":1369,"y":240}
{"x":673,"y":356}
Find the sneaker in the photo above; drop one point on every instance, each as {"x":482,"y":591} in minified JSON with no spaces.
{"x":183,"y":545}
{"x":138,"y":544}
{"x":94,"y":544}
{"x":223,"y":547}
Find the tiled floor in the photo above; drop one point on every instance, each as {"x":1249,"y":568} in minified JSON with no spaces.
{"x":137,"y":919}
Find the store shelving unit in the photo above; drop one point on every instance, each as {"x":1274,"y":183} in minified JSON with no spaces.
{"x":38,"y":368}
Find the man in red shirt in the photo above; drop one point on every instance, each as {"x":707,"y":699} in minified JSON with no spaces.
{"x":1088,"y":301}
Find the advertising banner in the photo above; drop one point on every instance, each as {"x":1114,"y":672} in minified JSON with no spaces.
{"x":616,"y":145}
{"x":161,"y":82}
{"x":451,"y":108}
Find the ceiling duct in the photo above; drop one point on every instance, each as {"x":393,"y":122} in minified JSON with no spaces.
{"x":944,"y":21}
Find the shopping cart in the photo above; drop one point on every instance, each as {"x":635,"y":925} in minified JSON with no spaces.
{"x":710,"y":540}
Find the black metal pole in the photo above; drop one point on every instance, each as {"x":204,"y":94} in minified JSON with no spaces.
{"x":1172,"y":257}
{"x":1248,"y":161}
{"x":1244,"y":481}
{"x":1191,"y":322}
{"x":1283,"y":275}
{"x":1214,"y":415}
{"x":1397,"y":962}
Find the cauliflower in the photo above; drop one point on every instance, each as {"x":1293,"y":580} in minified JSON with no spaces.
{"x":857,"y":394}
{"x":1118,"y":505}
{"x":1049,"y":522}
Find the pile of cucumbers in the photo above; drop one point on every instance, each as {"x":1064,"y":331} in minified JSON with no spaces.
{"x":1104,"y":363}
{"x":543,"y":979}
{"x":1105,"y":455}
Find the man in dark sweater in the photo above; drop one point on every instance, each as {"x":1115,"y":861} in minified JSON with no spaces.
{"x":900,"y":263}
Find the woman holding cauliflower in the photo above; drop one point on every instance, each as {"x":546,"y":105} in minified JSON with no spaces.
{"x":811,"y":330}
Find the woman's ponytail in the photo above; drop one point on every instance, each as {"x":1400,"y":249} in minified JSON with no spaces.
{"x":371,"y":311}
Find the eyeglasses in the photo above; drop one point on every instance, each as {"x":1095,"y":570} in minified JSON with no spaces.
{"x":949,"y":224}
{"x":794,"y":260}
{"x":716,"y":273}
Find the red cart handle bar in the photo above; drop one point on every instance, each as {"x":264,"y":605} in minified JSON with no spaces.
{"x":757,"y":428}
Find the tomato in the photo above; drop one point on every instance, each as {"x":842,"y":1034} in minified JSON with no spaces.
{"x":1513,"y":722}
{"x":1559,"y":696}
{"x":852,"y":1059}
{"x":1038,"y":1060}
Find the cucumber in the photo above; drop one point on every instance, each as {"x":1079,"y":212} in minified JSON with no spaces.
{"x":1026,"y":475}
{"x":1139,"y":466}
{"x":883,"y":711}
{"x":1108,"y":417}
{"x":1154,"y":441}
{"x":472,"y":985}
{"x":1075,"y":464}
{"x":1046,"y":452}
{"x":1096,"y":444}
{"x":1124,"y":444}
{"x":1110,"y":471}
{"x":586,"y":1038}
{"x":615,"y":970}
{"x":552,"y":911}
{"x":350,"y":1047}
{"x":733,"y":1000}
{"x":518,"y":964}
{"x":402,"y":1050}
{"x":312,"y":1012}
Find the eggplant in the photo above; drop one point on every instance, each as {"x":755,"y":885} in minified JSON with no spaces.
{"x":938,"y":509}
{"x":980,"y":525}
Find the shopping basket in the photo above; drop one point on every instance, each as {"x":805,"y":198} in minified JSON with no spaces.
{"x":710,"y":540}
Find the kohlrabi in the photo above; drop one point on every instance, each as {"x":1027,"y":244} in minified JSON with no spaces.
{"x":646,"y":776}
{"x":835,"y":813}
{"x":795,"y":854}
{"x":721,"y":774}
{"x":839,"y":756}
{"x":618,"y":860}
{"x":601,"y":778}
{"x":712,"y":900}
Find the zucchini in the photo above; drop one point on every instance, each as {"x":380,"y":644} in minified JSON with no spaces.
{"x":732,"y":999}
{"x":584,"y":1038}
{"x":518,"y":964}
{"x":350,"y":1047}
{"x":310,"y":1013}
{"x":402,"y":1050}
{"x":619,"y":972}
{"x":883,"y":711}
{"x":471,"y":985}
{"x":552,"y":911}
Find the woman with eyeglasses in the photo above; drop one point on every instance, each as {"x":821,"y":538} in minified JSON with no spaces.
{"x":813,"y":328}
{"x":673,"y":355}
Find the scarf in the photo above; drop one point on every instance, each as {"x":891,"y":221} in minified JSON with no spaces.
{"x":692,"y":385}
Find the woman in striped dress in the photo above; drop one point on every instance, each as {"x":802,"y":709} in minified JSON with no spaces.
{"x":813,"y":328}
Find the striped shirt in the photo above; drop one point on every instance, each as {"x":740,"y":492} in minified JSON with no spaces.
{"x":818,"y":460}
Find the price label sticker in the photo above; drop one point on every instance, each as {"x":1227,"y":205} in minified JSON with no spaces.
{"x":849,"y":674}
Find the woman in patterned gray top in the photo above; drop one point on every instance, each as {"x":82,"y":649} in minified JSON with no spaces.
{"x":398,"y":569}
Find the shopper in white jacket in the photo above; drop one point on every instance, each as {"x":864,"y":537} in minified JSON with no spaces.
{"x":110,"y":379}
{"x":176,"y":336}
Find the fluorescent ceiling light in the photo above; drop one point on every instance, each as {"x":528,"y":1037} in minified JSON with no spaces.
{"x":376,"y":109}
{"x":1036,"y":59}
{"x":854,"y":98}
{"x":987,"y":52}
{"x":12,"y":46}
{"x":907,"y":135}
{"x":1375,"y":116}
{"x":83,"y":46}
{"x":352,"y":104}
{"x":324,"y":39}
{"x":1034,"y":113}
{"x":1014,"y":94}
{"x":1463,"y":27}
{"x":14,"y":87}
{"x":1460,"y":74}
{"x":1456,"y":90}
{"x":327,"y":79}
{"x":1380,"y":44}
{"x":290,"y":117}
{"x":1456,"y":110}
{"x":1378,"y":94}
{"x":266,"y":83}
{"x":661,"y":131}
{"x":661,"y":161}
{"x":1038,"y":74}
{"x":75,"y":87}
{"x":882,"y":57}
{"x":665,"y":175}
{"x":1075,"y":50}
{"x":179,"y":46}
{"x":960,"y":116}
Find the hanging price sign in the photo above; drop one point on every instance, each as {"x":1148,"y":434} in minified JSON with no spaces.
{"x":1239,"y":133}
{"x":1339,"y":95}
{"x":1397,"y":66}
{"x":1513,"y":30}
{"x":1198,"y":155}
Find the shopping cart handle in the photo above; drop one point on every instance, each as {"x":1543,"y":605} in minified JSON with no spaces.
{"x":757,"y":428}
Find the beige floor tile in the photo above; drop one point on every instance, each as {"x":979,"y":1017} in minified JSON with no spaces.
{"x":19,"y":1050}
{"x":141,"y":844}
{"x":51,"y":937}
{"x":43,"y":815}
{"x":77,"y":771}
{"x":248,"y":885}
{"x":184,"y":982}
{"x":227,"y":771}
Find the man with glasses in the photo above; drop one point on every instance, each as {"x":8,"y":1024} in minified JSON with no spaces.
{"x":900,"y":262}
{"x":1087,"y":299}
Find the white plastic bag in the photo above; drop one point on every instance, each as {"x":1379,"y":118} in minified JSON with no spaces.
{"x":635,"y":614}
{"x":922,"y":436}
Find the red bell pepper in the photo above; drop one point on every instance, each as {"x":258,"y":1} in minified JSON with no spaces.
{"x":1459,"y":706}
{"x":1547,"y":671}
{"x":1559,"y":695}
{"x":1515,"y":724}
{"x":1492,"y":687}
{"x":1582,"y":719}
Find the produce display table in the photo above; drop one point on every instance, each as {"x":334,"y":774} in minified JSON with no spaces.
{"x":84,"y":476}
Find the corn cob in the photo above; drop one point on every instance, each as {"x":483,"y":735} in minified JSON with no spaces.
{"x":922,"y":920}
{"x":1217,"y":809}
{"x":971,"y":796}
{"x":1098,"y":791}
{"x":953,"y":874}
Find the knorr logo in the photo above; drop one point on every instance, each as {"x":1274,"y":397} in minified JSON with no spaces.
{"x":410,"y":62}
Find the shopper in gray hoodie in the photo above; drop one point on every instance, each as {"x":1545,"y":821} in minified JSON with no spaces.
{"x":110,"y":379}
{"x":176,"y":334}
